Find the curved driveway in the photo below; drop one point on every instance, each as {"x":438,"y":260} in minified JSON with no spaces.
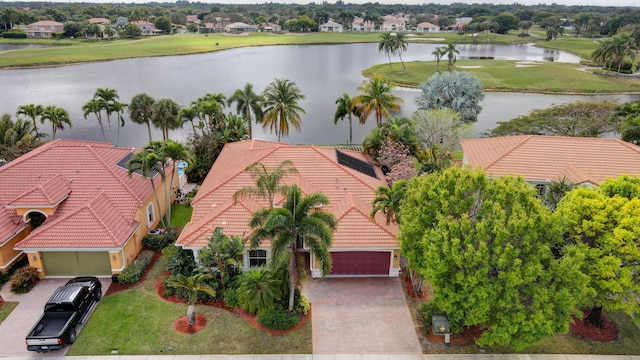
{"x":360,"y":316}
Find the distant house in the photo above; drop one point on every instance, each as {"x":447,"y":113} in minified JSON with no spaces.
{"x":427,"y":27}
{"x":331,"y":26}
{"x":362,"y":246}
{"x":209,"y":28}
{"x":146,"y":27}
{"x":542,"y":159}
{"x":460,"y":22}
{"x":240,"y":27}
{"x":394,"y":25}
{"x":271,"y":27}
{"x":361,"y":25}
{"x":70,"y":207}
{"x":99,"y":21}
{"x":193,"y":18}
{"x":44,"y":29}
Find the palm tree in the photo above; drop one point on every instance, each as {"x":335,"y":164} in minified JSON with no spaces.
{"x":223,"y":254}
{"x":176,"y":152}
{"x":377,"y":97}
{"x":211,"y":109}
{"x":281,"y":109}
{"x":235,"y":128}
{"x":386,"y":44}
{"x":248,"y":104}
{"x":18,"y":133}
{"x":141,"y":110}
{"x":258,"y":290}
{"x":399,"y":45}
{"x":33,"y":112}
{"x":118,"y":108}
{"x":267,"y":181}
{"x":189,"y":114}
{"x":438,"y":53}
{"x":451,"y":51}
{"x":58,"y":117}
{"x":107,"y":99}
{"x":165,"y":116}
{"x":94,"y":107}
{"x":298,"y":219}
{"x":388,"y":201}
{"x":194,"y":284}
{"x":346,"y":107}
{"x":148,"y":164}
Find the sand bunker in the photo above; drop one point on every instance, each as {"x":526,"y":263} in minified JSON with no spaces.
{"x":469,"y":66}
{"x":427,"y":39}
{"x":527,"y":63}
{"x":521,"y":66}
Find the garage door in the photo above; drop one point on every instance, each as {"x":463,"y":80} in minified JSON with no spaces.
{"x":76,"y":263}
{"x":361,"y":263}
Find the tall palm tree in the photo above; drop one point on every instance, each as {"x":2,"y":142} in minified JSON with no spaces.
{"x":94,"y":106}
{"x":388,"y":201}
{"x":248,"y":105}
{"x":148,"y":164}
{"x":118,"y":108}
{"x":299,"y":218}
{"x":32,"y":111}
{"x":376,"y":97}
{"x":141,"y":110}
{"x":438,"y":53}
{"x":400,"y":45}
{"x":211,"y":109}
{"x":236,"y":128}
{"x":18,"y":133}
{"x":281,"y":109}
{"x":165,"y":116}
{"x":107,"y":99}
{"x":194,"y":284}
{"x":386,"y":44}
{"x":189,"y":114}
{"x":58,"y":117}
{"x":267,"y":181}
{"x":177,"y":152}
{"x":346,"y":108}
{"x":451,"y":51}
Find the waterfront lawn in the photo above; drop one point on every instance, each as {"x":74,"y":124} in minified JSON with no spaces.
{"x":580,"y":46}
{"x":6,"y":309}
{"x":509,"y":75}
{"x":138,"y":322}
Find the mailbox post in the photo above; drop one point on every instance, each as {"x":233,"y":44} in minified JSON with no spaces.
{"x":440,"y":326}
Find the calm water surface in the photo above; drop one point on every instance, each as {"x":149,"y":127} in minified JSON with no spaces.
{"x":323,"y":73}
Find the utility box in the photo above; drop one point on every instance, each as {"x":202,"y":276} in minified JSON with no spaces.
{"x":440,"y":324}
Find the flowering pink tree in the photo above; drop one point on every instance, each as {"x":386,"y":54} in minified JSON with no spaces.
{"x":395,"y":158}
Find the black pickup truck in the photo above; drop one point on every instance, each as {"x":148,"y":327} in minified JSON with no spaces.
{"x":66,"y":308}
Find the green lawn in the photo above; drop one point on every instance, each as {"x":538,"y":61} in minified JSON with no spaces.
{"x":139,"y":322}
{"x":579,"y":46}
{"x":6,"y":309}
{"x":509,"y":75}
{"x":180,"y":215}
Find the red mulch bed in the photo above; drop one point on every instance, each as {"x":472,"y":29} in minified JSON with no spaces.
{"x":116,"y":288}
{"x":408,"y":287}
{"x":1,"y":301}
{"x":219,"y":303}
{"x":608,"y":332}
{"x":182,"y":324}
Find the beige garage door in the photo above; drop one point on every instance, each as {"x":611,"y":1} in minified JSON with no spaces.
{"x":76,"y":263}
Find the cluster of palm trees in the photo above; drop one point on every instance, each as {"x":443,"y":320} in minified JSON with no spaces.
{"x":56,"y":116}
{"x":486,"y":27}
{"x":450,"y":51}
{"x":393,"y":43}
{"x":614,"y":51}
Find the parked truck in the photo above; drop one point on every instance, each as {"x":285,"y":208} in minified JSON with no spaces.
{"x":69,"y":306}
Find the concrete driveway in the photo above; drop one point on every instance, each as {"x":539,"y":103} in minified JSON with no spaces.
{"x":16,"y":326}
{"x":360,"y":315}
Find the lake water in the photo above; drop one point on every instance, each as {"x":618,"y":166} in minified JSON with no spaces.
{"x":323,"y":73}
{"x":5,"y":47}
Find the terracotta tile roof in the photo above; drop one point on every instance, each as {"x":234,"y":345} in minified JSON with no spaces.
{"x":99,"y":21}
{"x":350,"y":193}
{"x":46,"y":23}
{"x":82,"y":169}
{"x":542,"y":158}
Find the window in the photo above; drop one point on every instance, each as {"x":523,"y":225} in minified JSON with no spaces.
{"x":151,"y":216}
{"x":257,"y":258}
{"x":541,"y":190}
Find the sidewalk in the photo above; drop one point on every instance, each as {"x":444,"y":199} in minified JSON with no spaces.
{"x":344,"y":357}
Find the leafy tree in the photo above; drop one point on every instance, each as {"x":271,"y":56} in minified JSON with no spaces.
{"x":258,"y":290}
{"x":163,"y":23}
{"x":141,"y":110}
{"x":58,"y":117}
{"x":376,"y":97}
{"x":604,"y":225}
{"x":281,"y":109}
{"x":268,"y":181}
{"x":194,"y":284}
{"x":440,"y":131}
{"x":458,"y":91}
{"x":165,"y":116}
{"x":72,"y":29}
{"x":248,"y":104}
{"x":506,"y":22}
{"x":297,"y":219}
{"x":485,"y":246}
{"x":582,"y":119}
{"x":346,"y":108}
{"x":222,"y":255}
{"x":32,"y":111}
{"x":92,"y":30}
{"x":148,"y":164}
{"x":131,"y":31}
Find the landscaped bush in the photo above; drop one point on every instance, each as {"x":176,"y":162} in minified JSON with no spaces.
{"x":133,"y":273}
{"x":160,"y":241}
{"x":24,"y":279}
{"x":4,"y":277}
{"x":231,"y":298}
{"x":300,"y":303}
{"x":14,"y":34}
{"x":179,"y":260}
{"x":277,"y":319}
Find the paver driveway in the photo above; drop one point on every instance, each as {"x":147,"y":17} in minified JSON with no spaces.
{"x":360,"y":315}
{"x":15,"y":327}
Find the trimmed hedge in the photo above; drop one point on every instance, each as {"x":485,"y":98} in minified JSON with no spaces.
{"x":277,"y":319}
{"x":14,"y":34}
{"x":133,"y":273}
{"x":160,"y":241}
{"x":24,"y":279}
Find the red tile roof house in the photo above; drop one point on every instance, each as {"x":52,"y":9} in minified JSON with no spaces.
{"x":361,"y":246}
{"x":542,"y":159}
{"x":93,"y":215}
{"x":146,"y":27}
{"x":44,"y":29}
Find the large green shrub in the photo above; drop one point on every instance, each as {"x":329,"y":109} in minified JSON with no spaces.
{"x":133,"y":273}
{"x":179,"y":260}
{"x":24,"y":279}
{"x":4,"y":277}
{"x":14,"y":34}
{"x":160,"y":241}
{"x":277,"y":319}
